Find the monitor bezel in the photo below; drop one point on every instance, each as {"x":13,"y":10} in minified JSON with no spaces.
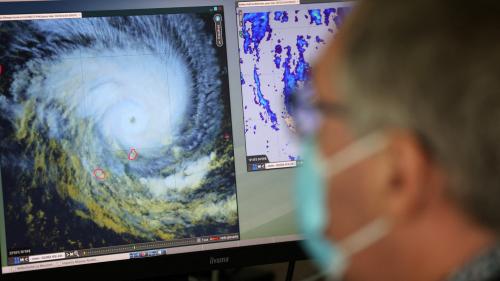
{"x":170,"y":265}
{"x":160,"y":266}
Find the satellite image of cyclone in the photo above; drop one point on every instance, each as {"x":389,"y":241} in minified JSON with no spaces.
{"x":114,"y":130}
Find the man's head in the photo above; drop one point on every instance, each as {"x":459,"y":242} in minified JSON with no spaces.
{"x":427,"y":74}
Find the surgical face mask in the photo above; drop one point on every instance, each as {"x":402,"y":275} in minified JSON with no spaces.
{"x":311,"y":189}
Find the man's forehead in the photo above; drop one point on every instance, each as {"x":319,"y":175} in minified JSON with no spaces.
{"x":325,"y":70}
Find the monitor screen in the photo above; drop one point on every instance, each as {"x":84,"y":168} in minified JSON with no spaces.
{"x":138,"y":130}
{"x":277,"y":47}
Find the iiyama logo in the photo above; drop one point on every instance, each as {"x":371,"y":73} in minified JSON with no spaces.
{"x":219,"y":260}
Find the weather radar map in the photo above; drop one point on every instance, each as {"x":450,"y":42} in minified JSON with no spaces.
{"x":277,"y":46}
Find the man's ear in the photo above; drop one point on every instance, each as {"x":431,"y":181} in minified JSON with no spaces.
{"x":413,"y":178}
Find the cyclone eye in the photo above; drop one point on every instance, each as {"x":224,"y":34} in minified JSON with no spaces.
{"x":143,"y":106}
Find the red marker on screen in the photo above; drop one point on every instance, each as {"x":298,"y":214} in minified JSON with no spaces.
{"x":132,"y":155}
{"x":99,"y":174}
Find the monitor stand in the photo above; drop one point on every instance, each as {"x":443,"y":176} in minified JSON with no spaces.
{"x":290,"y":270}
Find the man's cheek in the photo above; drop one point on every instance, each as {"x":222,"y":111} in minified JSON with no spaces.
{"x":345,"y":204}
{"x":339,"y":208}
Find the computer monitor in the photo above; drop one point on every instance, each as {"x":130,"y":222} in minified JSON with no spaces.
{"x":147,"y":138}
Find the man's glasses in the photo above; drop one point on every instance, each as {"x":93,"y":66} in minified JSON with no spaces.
{"x":308,"y":112}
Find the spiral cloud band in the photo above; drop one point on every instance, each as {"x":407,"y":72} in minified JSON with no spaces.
{"x":114,"y":130}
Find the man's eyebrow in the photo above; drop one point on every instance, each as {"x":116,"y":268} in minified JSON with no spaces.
{"x":330,"y":108}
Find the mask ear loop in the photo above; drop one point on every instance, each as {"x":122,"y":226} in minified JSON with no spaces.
{"x":354,"y":153}
{"x":365,"y":237}
{"x":374,"y":231}
{"x":361,"y":149}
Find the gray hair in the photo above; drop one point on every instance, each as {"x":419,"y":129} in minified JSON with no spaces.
{"x":432,"y":67}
